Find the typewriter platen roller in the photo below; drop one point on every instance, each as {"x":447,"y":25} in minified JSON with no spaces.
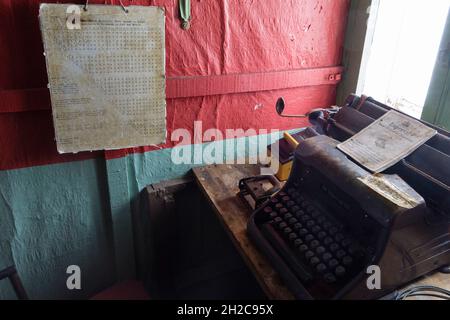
{"x":329,"y":224}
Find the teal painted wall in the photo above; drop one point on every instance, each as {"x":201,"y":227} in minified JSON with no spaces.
{"x":128,"y":176}
{"x":80,"y":213}
{"x":52,"y":217}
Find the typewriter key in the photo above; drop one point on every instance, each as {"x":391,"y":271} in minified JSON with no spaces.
{"x":321,"y":268}
{"x":303,"y":248}
{"x":288,"y":216}
{"x":292,"y":236}
{"x":299,"y":214}
{"x":327,"y":225}
{"x":290,"y":204}
{"x":314,"y":244}
{"x":328,"y":241}
{"x":327,"y":256}
{"x":298,"y":243}
{"x":305,"y":218}
{"x":309,"y":238}
{"x":333,"y":263}
{"x":316,"y":230}
{"x":310,"y":224}
{"x":334,"y":247}
{"x":320,"y":250}
{"x":340,"y":271}
{"x":303,"y":232}
{"x":309,"y":254}
{"x":314,"y":261}
{"x":283,"y":225}
{"x":329,"y":278}
{"x":340,"y":254}
{"x":297,"y":226}
{"x":322,"y":235}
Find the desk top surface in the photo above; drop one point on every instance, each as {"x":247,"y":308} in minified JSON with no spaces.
{"x":220,"y":185}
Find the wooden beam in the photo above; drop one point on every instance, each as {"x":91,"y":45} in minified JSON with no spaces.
{"x":358,"y":41}
{"x":197,"y":86}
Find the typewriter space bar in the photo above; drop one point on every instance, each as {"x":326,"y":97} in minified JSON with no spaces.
{"x":280,"y":247}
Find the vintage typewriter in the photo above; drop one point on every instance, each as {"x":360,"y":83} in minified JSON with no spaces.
{"x":327,"y":226}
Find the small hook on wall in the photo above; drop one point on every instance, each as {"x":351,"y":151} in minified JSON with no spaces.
{"x":185,"y":13}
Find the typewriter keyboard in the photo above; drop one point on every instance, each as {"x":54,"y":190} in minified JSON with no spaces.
{"x":313,"y":244}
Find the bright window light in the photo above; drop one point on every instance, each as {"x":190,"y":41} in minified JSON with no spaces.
{"x":404,"y":51}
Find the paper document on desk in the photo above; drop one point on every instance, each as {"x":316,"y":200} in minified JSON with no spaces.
{"x":387,"y":141}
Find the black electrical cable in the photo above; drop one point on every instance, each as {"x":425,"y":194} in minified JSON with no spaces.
{"x":406,"y":295}
{"x":432,"y":295}
{"x":431,"y":288}
{"x":423,"y":291}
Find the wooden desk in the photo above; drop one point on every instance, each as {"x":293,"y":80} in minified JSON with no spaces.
{"x":220,"y":185}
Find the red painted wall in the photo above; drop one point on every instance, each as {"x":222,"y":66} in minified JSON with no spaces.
{"x":226,"y":37}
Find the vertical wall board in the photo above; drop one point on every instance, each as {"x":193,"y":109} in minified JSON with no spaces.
{"x":121,"y":188}
{"x":358,"y":38}
{"x":437,"y":104}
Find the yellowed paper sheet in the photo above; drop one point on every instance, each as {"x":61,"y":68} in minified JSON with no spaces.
{"x":107,"y":78}
{"x":386,"y":141}
{"x":394,"y":189}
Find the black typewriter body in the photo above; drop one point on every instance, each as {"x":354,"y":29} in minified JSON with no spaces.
{"x":324,"y":229}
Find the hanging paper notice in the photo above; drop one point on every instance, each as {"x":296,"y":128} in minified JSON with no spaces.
{"x":106,"y":71}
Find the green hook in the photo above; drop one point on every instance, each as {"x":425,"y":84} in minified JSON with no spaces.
{"x":185,"y":13}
